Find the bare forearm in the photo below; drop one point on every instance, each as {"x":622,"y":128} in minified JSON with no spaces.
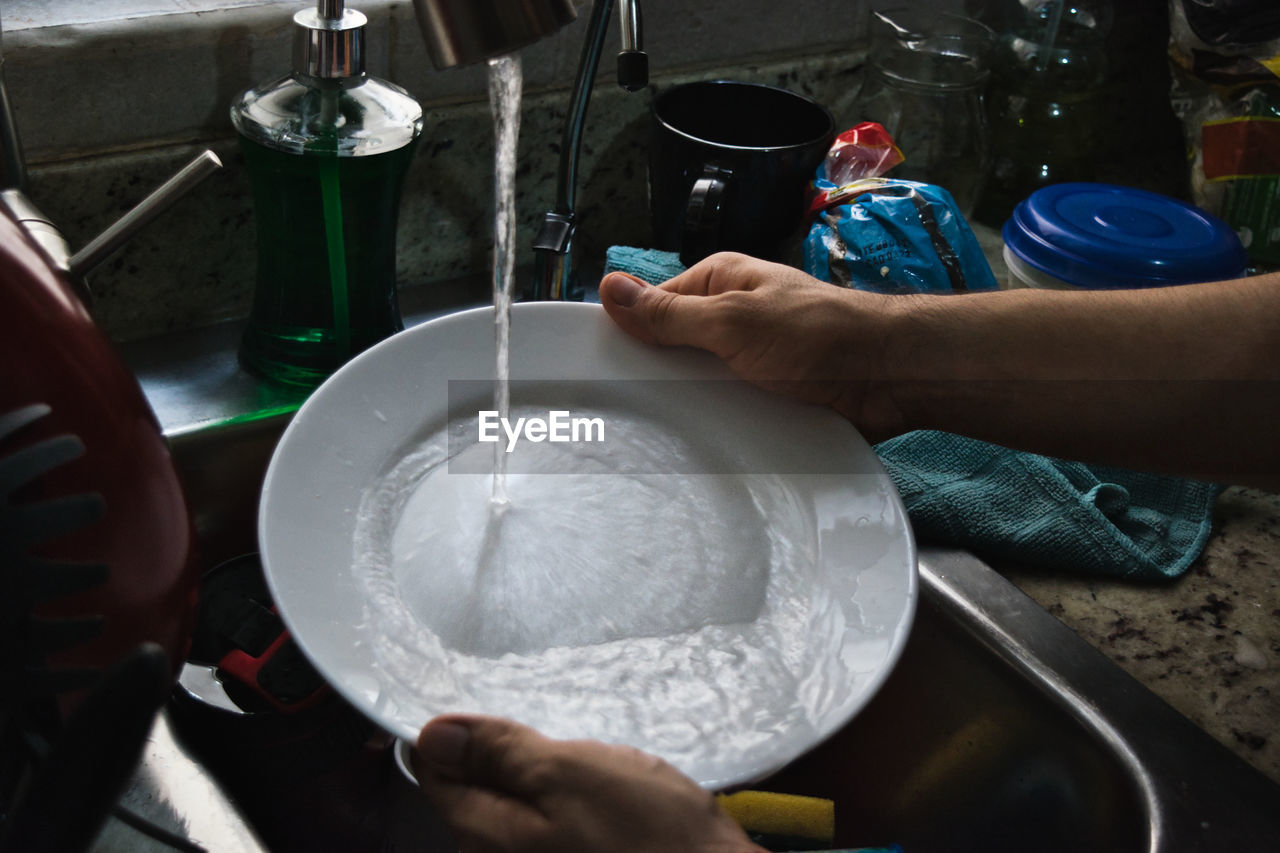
{"x":1183,"y":380}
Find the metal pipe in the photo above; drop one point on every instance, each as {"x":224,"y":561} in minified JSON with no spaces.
{"x":553,"y":268}
{"x":143,"y":212}
{"x":630,"y":31}
{"x":633,"y":63}
{"x":41,"y":229}
{"x":571,"y":139}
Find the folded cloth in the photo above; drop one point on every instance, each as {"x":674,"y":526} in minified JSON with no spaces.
{"x":651,"y":265}
{"x":1049,"y":513}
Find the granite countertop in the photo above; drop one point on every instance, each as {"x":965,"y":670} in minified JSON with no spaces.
{"x":1208,"y":642}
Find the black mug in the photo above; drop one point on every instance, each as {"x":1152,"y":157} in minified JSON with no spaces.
{"x":729,"y":164}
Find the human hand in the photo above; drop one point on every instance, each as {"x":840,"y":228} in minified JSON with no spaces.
{"x":503,"y":786}
{"x":776,"y":327}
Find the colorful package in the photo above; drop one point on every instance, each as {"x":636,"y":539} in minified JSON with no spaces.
{"x":1226,"y":92}
{"x":894,"y":236}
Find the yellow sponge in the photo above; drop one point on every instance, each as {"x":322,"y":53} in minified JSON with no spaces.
{"x":788,"y":815}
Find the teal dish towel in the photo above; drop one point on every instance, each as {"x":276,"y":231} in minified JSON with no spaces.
{"x":651,"y":265}
{"x":1048,"y":513}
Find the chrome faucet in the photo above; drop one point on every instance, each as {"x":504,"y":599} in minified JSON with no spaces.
{"x":554,"y":277}
{"x":14,"y":200}
{"x":458,"y":32}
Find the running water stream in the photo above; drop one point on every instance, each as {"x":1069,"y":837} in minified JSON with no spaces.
{"x":505,"y":83}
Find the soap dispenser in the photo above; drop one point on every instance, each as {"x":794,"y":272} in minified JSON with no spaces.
{"x":326,"y":149}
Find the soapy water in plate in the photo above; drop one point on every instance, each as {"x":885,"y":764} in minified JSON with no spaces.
{"x":676,"y":611}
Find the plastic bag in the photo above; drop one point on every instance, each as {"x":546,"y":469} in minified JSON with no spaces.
{"x":863,"y":151}
{"x":1227,"y":96}
{"x":891,"y":236}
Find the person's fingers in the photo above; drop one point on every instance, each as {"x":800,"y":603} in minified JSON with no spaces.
{"x":482,"y":819}
{"x":719,"y":273}
{"x":467,"y":767}
{"x":655,"y":315}
{"x":502,"y":786}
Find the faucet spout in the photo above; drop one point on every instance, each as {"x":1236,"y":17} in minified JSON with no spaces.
{"x":554,"y":277}
{"x":42,"y":230}
{"x":460,"y":32}
{"x":633,"y":62}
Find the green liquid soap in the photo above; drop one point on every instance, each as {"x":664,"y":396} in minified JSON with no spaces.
{"x":326,"y":281}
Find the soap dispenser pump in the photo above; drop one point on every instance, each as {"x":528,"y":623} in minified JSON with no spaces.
{"x":326,"y":149}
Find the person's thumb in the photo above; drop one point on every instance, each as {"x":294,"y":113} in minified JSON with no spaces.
{"x":469,"y":768}
{"x":489,"y":751}
{"x":442,"y":746}
{"x":652,"y":314}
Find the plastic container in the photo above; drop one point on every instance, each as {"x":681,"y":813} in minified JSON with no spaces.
{"x":327,"y":149}
{"x":1086,"y":236}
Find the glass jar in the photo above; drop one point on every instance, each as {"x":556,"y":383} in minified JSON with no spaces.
{"x":1044,"y":103}
{"x":927,"y":75}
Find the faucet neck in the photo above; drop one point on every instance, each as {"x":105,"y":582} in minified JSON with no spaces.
{"x":460,"y":32}
{"x":570,"y":145}
{"x":553,"y":245}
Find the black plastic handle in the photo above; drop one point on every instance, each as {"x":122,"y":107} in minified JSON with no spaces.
{"x":702,"y":215}
{"x":633,"y":70}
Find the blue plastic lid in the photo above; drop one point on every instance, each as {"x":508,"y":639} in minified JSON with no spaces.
{"x":1100,"y":235}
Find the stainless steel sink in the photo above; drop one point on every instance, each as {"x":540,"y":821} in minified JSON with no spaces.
{"x":1000,"y":729}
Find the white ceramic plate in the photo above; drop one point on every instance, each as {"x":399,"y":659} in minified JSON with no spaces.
{"x":724,"y":581}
